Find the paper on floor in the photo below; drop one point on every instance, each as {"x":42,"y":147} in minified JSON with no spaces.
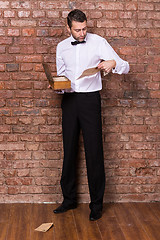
{"x":44,"y":227}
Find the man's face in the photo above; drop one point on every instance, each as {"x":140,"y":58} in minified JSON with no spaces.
{"x":78,"y":30}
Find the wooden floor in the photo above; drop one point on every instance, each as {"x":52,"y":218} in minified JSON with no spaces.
{"x":120,"y":221}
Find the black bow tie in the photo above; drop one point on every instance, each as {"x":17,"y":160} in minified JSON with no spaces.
{"x":77,"y":42}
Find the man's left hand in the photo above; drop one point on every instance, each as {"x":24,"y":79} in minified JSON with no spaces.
{"x":107,"y":66}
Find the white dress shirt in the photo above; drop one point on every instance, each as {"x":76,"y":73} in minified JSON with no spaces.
{"x":72,"y":60}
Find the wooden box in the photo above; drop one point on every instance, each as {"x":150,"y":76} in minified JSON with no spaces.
{"x":58,"y":82}
{"x":61,"y":82}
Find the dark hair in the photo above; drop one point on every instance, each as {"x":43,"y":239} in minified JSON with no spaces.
{"x":76,"y":15}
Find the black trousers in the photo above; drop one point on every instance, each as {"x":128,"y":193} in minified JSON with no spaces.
{"x":83,"y":111}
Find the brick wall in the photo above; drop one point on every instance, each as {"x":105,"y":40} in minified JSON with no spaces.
{"x":30,"y":115}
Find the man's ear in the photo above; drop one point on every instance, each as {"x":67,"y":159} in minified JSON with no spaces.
{"x":68,"y":29}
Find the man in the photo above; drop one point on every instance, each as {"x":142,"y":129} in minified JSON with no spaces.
{"x":81,"y":108}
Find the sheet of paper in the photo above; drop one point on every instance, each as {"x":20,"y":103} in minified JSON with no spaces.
{"x":89,"y":72}
{"x":44,"y":227}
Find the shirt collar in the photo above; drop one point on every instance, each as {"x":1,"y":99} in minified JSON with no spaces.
{"x":73,"y":39}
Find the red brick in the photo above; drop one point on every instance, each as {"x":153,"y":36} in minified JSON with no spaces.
{"x":110,"y":23}
{"x":111,"y":32}
{"x":125,"y":33}
{"x":110,"y":6}
{"x":11,"y":120}
{"x":86,"y":5}
{"x":13,"y":32}
{"x":42,"y":32}
{"x":28,"y":32}
{"x":130,"y":24}
{"x":23,"y":172}
{"x":155,"y":94}
{"x":52,"y":23}
{"x":11,"y":67}
{"x":156,"y":77}
{"x":45,"y":181}
{"x":154,"y":129}
{"x":33,"y":58}
{"x":24,"y":4}
{"x":26,"y":181}
{"x":53,"y":14}
{"x":145,"y":24}
{"x":126,"y":15}
{"x":50,"y":129}
{"x":14,"y":50}
{"x":132,"y":129}
{"x":51,"y":147}
{"x":5,"y":112}
{"x":38,"y":14}
{"x":145,"y":6}
{"x":31,"y":146}
{"x":23,"y":23}
{"x":153,"y":86}
{"x":24,"y":41}
{"x":127,"y":50}
{"x":52,"y":4}
{"x":2,"y":69}
{"x":23,"y":94}
{"x":9,"y":14}
{"x":2,"y":32}
{"x":26,"y":67}
{"x":153,"y":33}
{"x":154,"y":15}
{"x":4,"y":4}
{"x":12,"y":146}
{"x":142,"y":15}
{"x":5,"y":40}
{"x":38,"y":172}
{"x":3,"y":23}
{"x":27,"y":49}
{"x":41,"y":50}
{"x":131,"y":6}
{"x":13,"y":190}
{"x":2,"y":49}
{"x":6,"y":58}
{"x":96,"y":14}
{"x":111,"y":15}
{"x":25,"y":85}
{"x":5,"y":129}
{"x":10,"y":173}
{"x":28,"y":103}
{"x":31,"y":189}
{"x":55,"y":32}
{"x":23,"y":14}
{"x":157,"y":6}
{"x":41,"y":138}
{"x":137,"y":155}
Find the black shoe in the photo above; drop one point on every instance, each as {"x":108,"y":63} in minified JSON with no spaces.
{"x":62,"y":208}
{"x":95,"y":215}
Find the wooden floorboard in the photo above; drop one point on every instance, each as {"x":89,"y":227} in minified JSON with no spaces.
{"x":4,"y":220}
{"x":148,"y":219}
{"x":129,"y":223}
{"x":85,"y":229}
{"x":41,"y":213}
{"x":120,"y":221}
{"x":156,"y":209}
{"x":108,"y":224}
{"x":64,"y":226}
{"x":19,"y":222}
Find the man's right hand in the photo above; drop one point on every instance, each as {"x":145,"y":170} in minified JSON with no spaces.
{"x":49,"y":86}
